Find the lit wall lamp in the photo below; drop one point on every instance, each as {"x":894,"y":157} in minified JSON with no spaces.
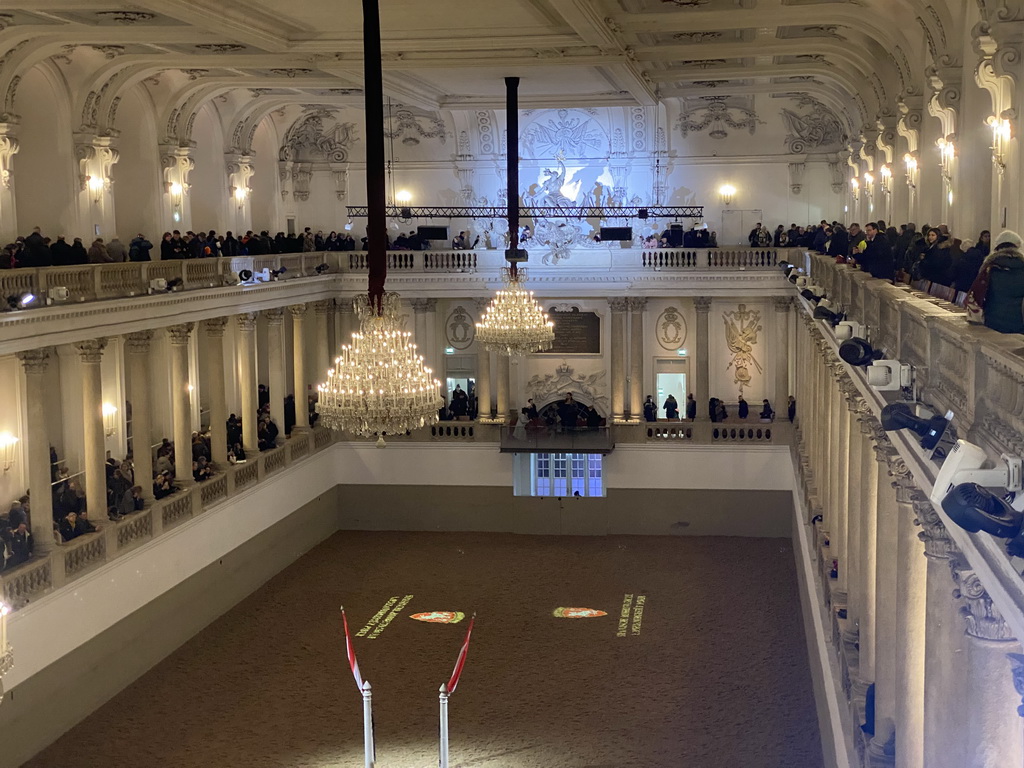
{"x":727,"y":192}
{"x":910,"y":162}
{"x":1002,"y":132}
{"x":855,"y":187}
{"x":176,"y":191}
{"x":8,"y":449}
{"x":886,"y":172}
{"x":96,"y":185}
{"x":240,"y":193}
{"x":404,"y":196}
{"x":109,"y":418}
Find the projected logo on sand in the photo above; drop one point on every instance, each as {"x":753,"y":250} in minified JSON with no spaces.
{"x":578,"y":613}
{"x":440,"y":617}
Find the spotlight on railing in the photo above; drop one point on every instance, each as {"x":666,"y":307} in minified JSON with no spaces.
{"x":245,"y":275}
{"x":858,"y":352}
{"x":231,"y":278}
{"x":890,"y":375}
{"x":323,"y":268}
{"x":849,"y":329}
{"x":20,"y":300}
{"x":173,"y":283}
{"x":57,"y":295}
{"x":276,"y":273}
{"x":157,"y":285}
{"x":896,"y":416}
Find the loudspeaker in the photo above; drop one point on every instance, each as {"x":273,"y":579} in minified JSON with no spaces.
{"x":616,"y":233}
{"x":518,"y":255}
{"x":675,"y":235}
{"x":432,"y":233}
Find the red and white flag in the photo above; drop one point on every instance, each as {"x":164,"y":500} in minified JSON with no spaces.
{"x":461,"y":661}
{"x":352,"y":663}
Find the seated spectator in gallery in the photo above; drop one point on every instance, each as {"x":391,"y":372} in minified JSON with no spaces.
{"x":713,"y":409}
{"x":650,"y":409}
{"x":200,"y":448}
{"x":162,"y":485}
{"x":263,"y":439}
{"x":767,"y":414}
{"x":743,"y":410}
{"x":201,"y":470}
{"x":671,"y":407}
{"x":71,"y":526}
{"x":130,"y":502}
{"x":234,"y":429}
{"x":691,"y":407}
{"x":164,"y":463}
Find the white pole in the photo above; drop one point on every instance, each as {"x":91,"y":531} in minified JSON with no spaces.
{"x":368,"y":749}
{"x":443,"y":760}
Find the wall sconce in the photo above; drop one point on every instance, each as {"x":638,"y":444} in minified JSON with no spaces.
{"x":911,"y":165}
{"x":175,"y":189}
{"x":1002,"y":132}
{"x":109,"y":418}
{"x":240,"y":193}
{"x":8,"y":449}
{"x":855,"y":187}
{"x":727,"y":191}
{"x":868,"y":181}
{"x":95,"y":184}
{"x":886,"y":172}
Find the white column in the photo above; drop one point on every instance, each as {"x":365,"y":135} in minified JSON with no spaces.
{"x":637,"y":306}
{"x":218,"y":396}
{"x":503,"y":374}
{"x":911,"y":601}
{"x":301,"y":385}
{"x":323,"y":348}
{"x":181,"y":405}
{"x":247,"y":377}
{"x":886,"y":614}
{"x":93,"y":459}
{"x":869,"y":472}
{"x":989,"y":705}
{"x":702,"y":374}
{"x":618,"y":355}
{"x":136,"y":347}
{"x":483,"y":371}
{"x":842,"y":460}
{"x":36,"y":363}
{"x":783,"y":307}
{"x":275,"y":354}
{"x":8,"y":149}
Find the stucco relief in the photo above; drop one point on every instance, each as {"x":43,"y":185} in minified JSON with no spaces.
{"x":459,"y":328}
{"x":814,"y":127}
{"x":567,"y":133}
{"x":412,"y":127}
{"x":671,"y":329}
{"x":715,"y":114}
{"x":742,"y":327}
{"x":547,"y":387}
{"x":319,"y":137}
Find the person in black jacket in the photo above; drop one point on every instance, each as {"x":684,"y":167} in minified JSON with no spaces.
{"x":62,"y":253}
{"x":840,"y":242}
{"x":78,"y":253}
{"x":966,"y":268}
{"x":37,"y":251}
{"x":650,"y":409}
{"x":691,"y":407}
{"x":937,"y":261}
{"x":139,"y":248}
{"x":744,"y":409}
{"x":875,"y":254}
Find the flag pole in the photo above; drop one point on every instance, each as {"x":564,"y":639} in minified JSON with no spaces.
{"x":369,"y":752}
{"x":443,"y":759}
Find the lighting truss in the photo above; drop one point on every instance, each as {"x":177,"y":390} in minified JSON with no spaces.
{"x":538,"y":212}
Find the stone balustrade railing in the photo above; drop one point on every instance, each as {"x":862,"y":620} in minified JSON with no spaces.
{"x":714,"y":258}
{"x":66,"y":562}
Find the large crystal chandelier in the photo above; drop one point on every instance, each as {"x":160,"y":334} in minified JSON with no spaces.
{"x":378,"y":384}
{"x":514,"y":322}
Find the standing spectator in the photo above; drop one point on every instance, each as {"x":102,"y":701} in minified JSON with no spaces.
{"x":531,"y":410}
{"x":936,"y":262}
{"x":743,"y":410}
{"x":875,"y":254}
{"x":791,"y":409}
{"x":767,"y":414}
{"x":139,"y":248}
{"x":308,"y":241}
{"x":62,"y":253}
{"x":98,"y":252}
{"x":116,"y":251}
{"x":997,"y":296}
{"x":966,"y":268}
{"x":650,"y":409}
{"x":691,"y":407}
{"x":671,"y":408}
{"x":37,"y":252}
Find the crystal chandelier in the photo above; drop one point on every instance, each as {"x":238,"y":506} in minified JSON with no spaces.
{"x":378,"y":384}
{"x":514,"y":322}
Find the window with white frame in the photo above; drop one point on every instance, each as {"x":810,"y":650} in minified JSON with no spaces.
{"x":566,"y":474}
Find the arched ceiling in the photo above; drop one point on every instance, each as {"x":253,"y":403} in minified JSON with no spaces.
{"x":860,"y":55}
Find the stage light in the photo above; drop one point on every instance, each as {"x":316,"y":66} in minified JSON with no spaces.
{"x":896,"y":416}
{"x":890,"y":375}
{"x":849,"y":329}
{"x":276,"y":273}
{"x":826,"y":314}
{"x":245,"y":275}
{"x":858,"y":352}
{"x":642,"y":214}
{"x":57,"y":294}
{"x":405,"y":214}
{"x":20,"y":300}
{"x":322,"y":268}
{"x":175,"y":282}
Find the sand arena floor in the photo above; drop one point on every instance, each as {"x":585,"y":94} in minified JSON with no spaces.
{"x":715,"y":673}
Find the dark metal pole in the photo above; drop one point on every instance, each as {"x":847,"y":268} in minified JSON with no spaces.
{"x":512,"y":164}
{"x":376,"y":196}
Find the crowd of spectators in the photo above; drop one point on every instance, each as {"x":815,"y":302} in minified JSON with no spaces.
{"x":717,"y":409}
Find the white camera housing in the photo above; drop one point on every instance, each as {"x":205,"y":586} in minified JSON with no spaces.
{"x":60,"y":293}
{"x":157,"y":284}
{"x":801,"y":282}
{"x":889,"y":375}
{"x":849,"y":329}
{"x":966,"y":464}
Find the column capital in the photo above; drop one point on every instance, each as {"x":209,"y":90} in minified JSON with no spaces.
{"x":274,"y":316}
{"x":35,"y":361}
{"x":982,"y":618}
{"x":937,"y":543}
{"x":619,"y":304}
{"x":322,"y":307}
{"x":637,"y":304}
{"x":344,"y":306}
{"x":91,"y":350}
{"x":421,"y":306}
{"x":179,"y":334}
{"x":297,"y":310}
{"x":138,"y":343}
{"x":702,"y":304}
{"x":247,"y":321}
{"x":215,"y":326}
{"x":782,"y":303}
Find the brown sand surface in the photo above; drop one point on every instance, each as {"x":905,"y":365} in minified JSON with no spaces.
{"x":717,"y":676}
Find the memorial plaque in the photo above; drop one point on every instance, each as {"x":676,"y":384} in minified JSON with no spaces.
{"x":576,"y":333}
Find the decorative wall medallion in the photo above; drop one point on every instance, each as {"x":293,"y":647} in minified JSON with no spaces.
{"x":483,"y":124}
{"x":544,"y":389}
{"x":564,"y":134}
{"x":671,"y":329}
{"x":814,"y":128}
{"x":742,"y":327}
{"x":716,"y":113}
{"x":313,"y":138}
{"x":410,"y":127}
{"x":459,"y":328}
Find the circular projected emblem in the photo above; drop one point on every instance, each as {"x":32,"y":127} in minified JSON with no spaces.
{"x":578,"y":613}
{"x":439,"y":617}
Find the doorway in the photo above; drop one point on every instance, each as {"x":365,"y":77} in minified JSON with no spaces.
{"x":736,"y":226}
{"x":670,"y":379}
